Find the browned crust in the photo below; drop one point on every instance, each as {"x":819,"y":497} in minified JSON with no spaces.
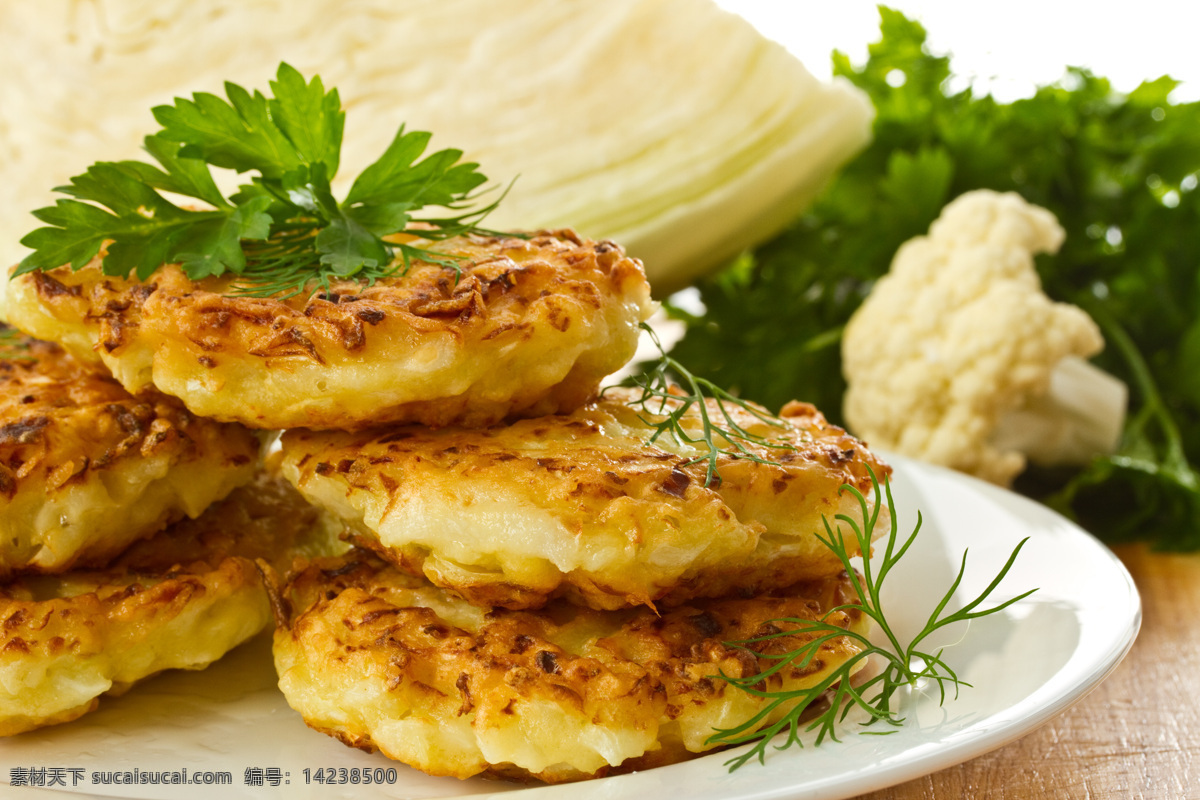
{"x":61,"y":420}
{"x":82,"y":615}
{"x":578,"y":472}
{"x":501,"y":278}
{"x":66,"y":426}
{"x":508,"y":287}
{"x":648,"y":666}
{"x":266,"y":519}
{"x":82,"y":624}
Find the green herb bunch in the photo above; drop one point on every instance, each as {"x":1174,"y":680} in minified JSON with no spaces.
{"x":1120,"y":171}
{"x":903,"y":665}
{"x":284,"y":232}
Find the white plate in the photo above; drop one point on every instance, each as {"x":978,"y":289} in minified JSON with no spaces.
{"x":1027,"y":664}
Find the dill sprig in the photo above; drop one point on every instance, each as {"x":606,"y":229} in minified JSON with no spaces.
{"x":669,"y":392}
{"x":282,"y":234}
{"x":905,"y":665}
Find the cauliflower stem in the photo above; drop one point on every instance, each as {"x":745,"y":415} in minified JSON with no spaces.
{"x":1079,"y":418}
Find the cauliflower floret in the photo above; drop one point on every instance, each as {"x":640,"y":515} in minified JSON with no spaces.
{"x":957,"y":356}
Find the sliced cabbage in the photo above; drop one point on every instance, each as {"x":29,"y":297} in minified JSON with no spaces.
{"x":670,"y":126}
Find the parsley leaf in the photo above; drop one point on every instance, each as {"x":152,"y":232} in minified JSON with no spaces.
{"x":284,"y":232}
{"x":311,"y":120}
{"x":437,"y":180}
{"x":1119,"y":171}
{"x":238,"y":134}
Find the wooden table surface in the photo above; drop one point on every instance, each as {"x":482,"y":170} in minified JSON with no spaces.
{"x":1137,"y":735}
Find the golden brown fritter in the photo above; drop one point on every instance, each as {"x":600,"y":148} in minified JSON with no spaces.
{"x":582,"y":505}
{"x":382,"y":660}
{"x":86,"y":468}
{"x":530,"y":328}
{"x":177,"y":601}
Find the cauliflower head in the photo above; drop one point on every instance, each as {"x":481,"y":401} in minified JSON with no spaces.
{"x":958,"y":357}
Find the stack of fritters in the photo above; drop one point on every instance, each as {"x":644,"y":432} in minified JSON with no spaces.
{"x":588,"y":587}
{"x":537,"y":589}
{"x":111,"y":568}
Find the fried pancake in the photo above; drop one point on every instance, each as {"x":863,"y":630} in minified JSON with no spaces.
{"x":582,"y":505}
{"x":530,"y":328}
{"x":86,"y":468}
{"x":180,"y":600}
{"x":382,"y":660}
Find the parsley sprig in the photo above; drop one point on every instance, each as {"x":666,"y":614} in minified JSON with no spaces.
{"x":904,"y":665}
{"x":669,"y":392}
{"x":283,"y":233}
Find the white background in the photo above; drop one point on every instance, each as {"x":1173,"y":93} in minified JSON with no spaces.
{"x":1007,"y":47}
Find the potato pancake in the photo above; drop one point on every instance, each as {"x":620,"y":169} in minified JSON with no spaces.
{"x":180,"y":600}
{"x":529,"y":327}
{"x":582,"y":505}
{"x":86,"y":468}
{"x":382,"y":660}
